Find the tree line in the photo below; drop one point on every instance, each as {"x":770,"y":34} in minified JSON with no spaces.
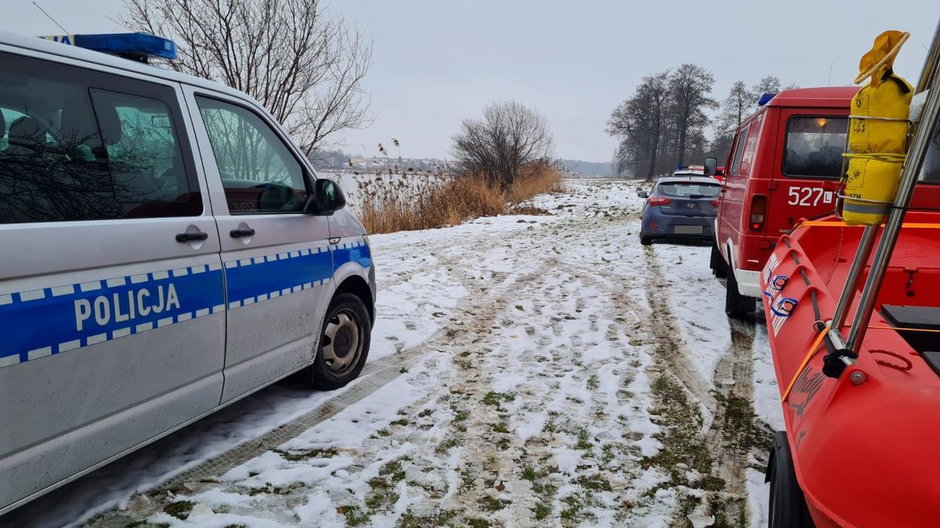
{"x":662,"y":125}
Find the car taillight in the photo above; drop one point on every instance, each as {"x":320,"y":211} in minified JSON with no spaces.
{"x":715,"y":202}
{"x":659,"y":200}
{"x":758,"y":212}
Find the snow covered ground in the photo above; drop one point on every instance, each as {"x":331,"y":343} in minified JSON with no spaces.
{"x":525,"y":371}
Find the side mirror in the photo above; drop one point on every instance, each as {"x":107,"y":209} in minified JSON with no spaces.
{"x":642,"y":194}
{"x":327,"y":198}
{"x":711,"y":166}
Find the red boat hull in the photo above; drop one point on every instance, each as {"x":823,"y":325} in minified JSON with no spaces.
{"x":866,"y":446}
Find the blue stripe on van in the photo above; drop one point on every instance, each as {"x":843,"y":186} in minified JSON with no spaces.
{"x":268,"y":277}
{"x":53,"y":320}
{"x":50,"y":321}
{"x":352,"y":252}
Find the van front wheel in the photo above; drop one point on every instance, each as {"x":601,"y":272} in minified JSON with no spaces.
{"x":344,"y":343}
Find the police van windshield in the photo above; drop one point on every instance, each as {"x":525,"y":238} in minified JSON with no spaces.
{"x":689,"y":190}
{"x":815,"y":146}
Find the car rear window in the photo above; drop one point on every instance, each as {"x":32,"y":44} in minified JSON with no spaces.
{"x":814,"y":146}
{"x":689,"y":190}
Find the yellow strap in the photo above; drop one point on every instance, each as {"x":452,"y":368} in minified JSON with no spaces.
{"x":809,"y":355}
{"x":820,"y":223}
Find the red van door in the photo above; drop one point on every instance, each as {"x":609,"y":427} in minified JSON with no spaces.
{"x":810,"y":166}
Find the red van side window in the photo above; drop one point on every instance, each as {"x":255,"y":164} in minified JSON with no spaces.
{"x":738,"y":151}
{"x":750,"y":147}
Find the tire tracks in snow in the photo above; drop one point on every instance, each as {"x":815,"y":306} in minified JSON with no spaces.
{"x":727,"y":420}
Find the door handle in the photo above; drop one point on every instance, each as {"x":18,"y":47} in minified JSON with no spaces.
{"x":190,"y":237}
{"x":239,"y":233}
{"x":334,"y":240}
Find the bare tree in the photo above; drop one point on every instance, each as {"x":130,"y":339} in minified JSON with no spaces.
{"x":769,"y":84}
{"x":689,"y":89}
{"x":303,"y":66}
{"x":509,"y":136}
{"x":640,"y":121}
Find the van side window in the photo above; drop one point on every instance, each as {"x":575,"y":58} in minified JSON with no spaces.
{"x":814,"y":146}
{"x":143,"y":156}
{"x":71,"y":151}
{"x":738,"y":151}
{"x":931,"y":170}
{"x":258,"y":171}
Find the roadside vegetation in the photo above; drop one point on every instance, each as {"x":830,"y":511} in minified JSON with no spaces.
{"x":502,"y":161}
{"x":409,"y":201}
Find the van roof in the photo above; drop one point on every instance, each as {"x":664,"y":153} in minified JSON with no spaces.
{"x":824,"y":97}
{"x":103,"y":59}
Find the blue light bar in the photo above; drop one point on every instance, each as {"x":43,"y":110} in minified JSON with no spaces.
{"x":132,"y":45}
{"x":764,"y":99}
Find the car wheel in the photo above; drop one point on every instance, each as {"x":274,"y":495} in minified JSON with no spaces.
{"x":717,"y":262}
{"x":787,"y":503}
{"x":344,"y":343}
{"x":736,"y":305}
{"x":645,"y":240}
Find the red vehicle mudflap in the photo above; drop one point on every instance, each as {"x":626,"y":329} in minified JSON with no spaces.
{"x":865,"y":445}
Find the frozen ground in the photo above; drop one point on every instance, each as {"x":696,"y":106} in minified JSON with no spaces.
{"x":525,"y":371}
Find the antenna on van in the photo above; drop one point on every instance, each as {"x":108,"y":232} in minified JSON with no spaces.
{"x":830,"y":73}
{"x":49,"y":16}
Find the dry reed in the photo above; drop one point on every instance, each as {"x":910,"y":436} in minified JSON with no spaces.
{"x":414,"y":201}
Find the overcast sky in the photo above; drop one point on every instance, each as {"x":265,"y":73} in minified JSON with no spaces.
{"x":437,"y":62}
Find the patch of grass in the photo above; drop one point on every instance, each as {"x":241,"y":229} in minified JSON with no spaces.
{"x":541,"y":511}
{"x":492,"y":504}
{"x":393,"y":470}
{"x":236,"y":526}
{"x":500,"y":427}
{"x":596,"y":482}
{"x":729,"y":512}
{"x":410,"y":520}
{"x":179,"y":509}
{"x":681,"y":424}
{"x":447,"y":444}
{"x":402,"y":422}
{"x":478,"y":523}
{"x":496,"y":398}
{"x":354,"y":516}
{"x":593,"y":382}
{"x":584,"y":440}
{"x":382,"y":495}
{"x":294,"y":456}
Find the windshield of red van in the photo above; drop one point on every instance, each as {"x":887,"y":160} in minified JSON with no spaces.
{"x":689,"y":190}
{"x":815,"y":146}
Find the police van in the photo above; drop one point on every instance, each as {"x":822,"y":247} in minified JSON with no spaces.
{"x":165,"y":250}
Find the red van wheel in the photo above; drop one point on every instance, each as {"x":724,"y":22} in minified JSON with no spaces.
{"x":787,"y":503}
{"x":737,"y":306}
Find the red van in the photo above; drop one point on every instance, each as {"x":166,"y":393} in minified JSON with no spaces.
{"x":785,"y":163}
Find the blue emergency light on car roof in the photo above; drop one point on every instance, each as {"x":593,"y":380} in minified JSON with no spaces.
{"x":139,"y":46}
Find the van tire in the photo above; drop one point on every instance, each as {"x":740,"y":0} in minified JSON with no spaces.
{"x":645,"y":240}
{"x":737,"y":306}
{"x":346,"y":330}
{"x":717,"y":262}
{"x":787,"y":504}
